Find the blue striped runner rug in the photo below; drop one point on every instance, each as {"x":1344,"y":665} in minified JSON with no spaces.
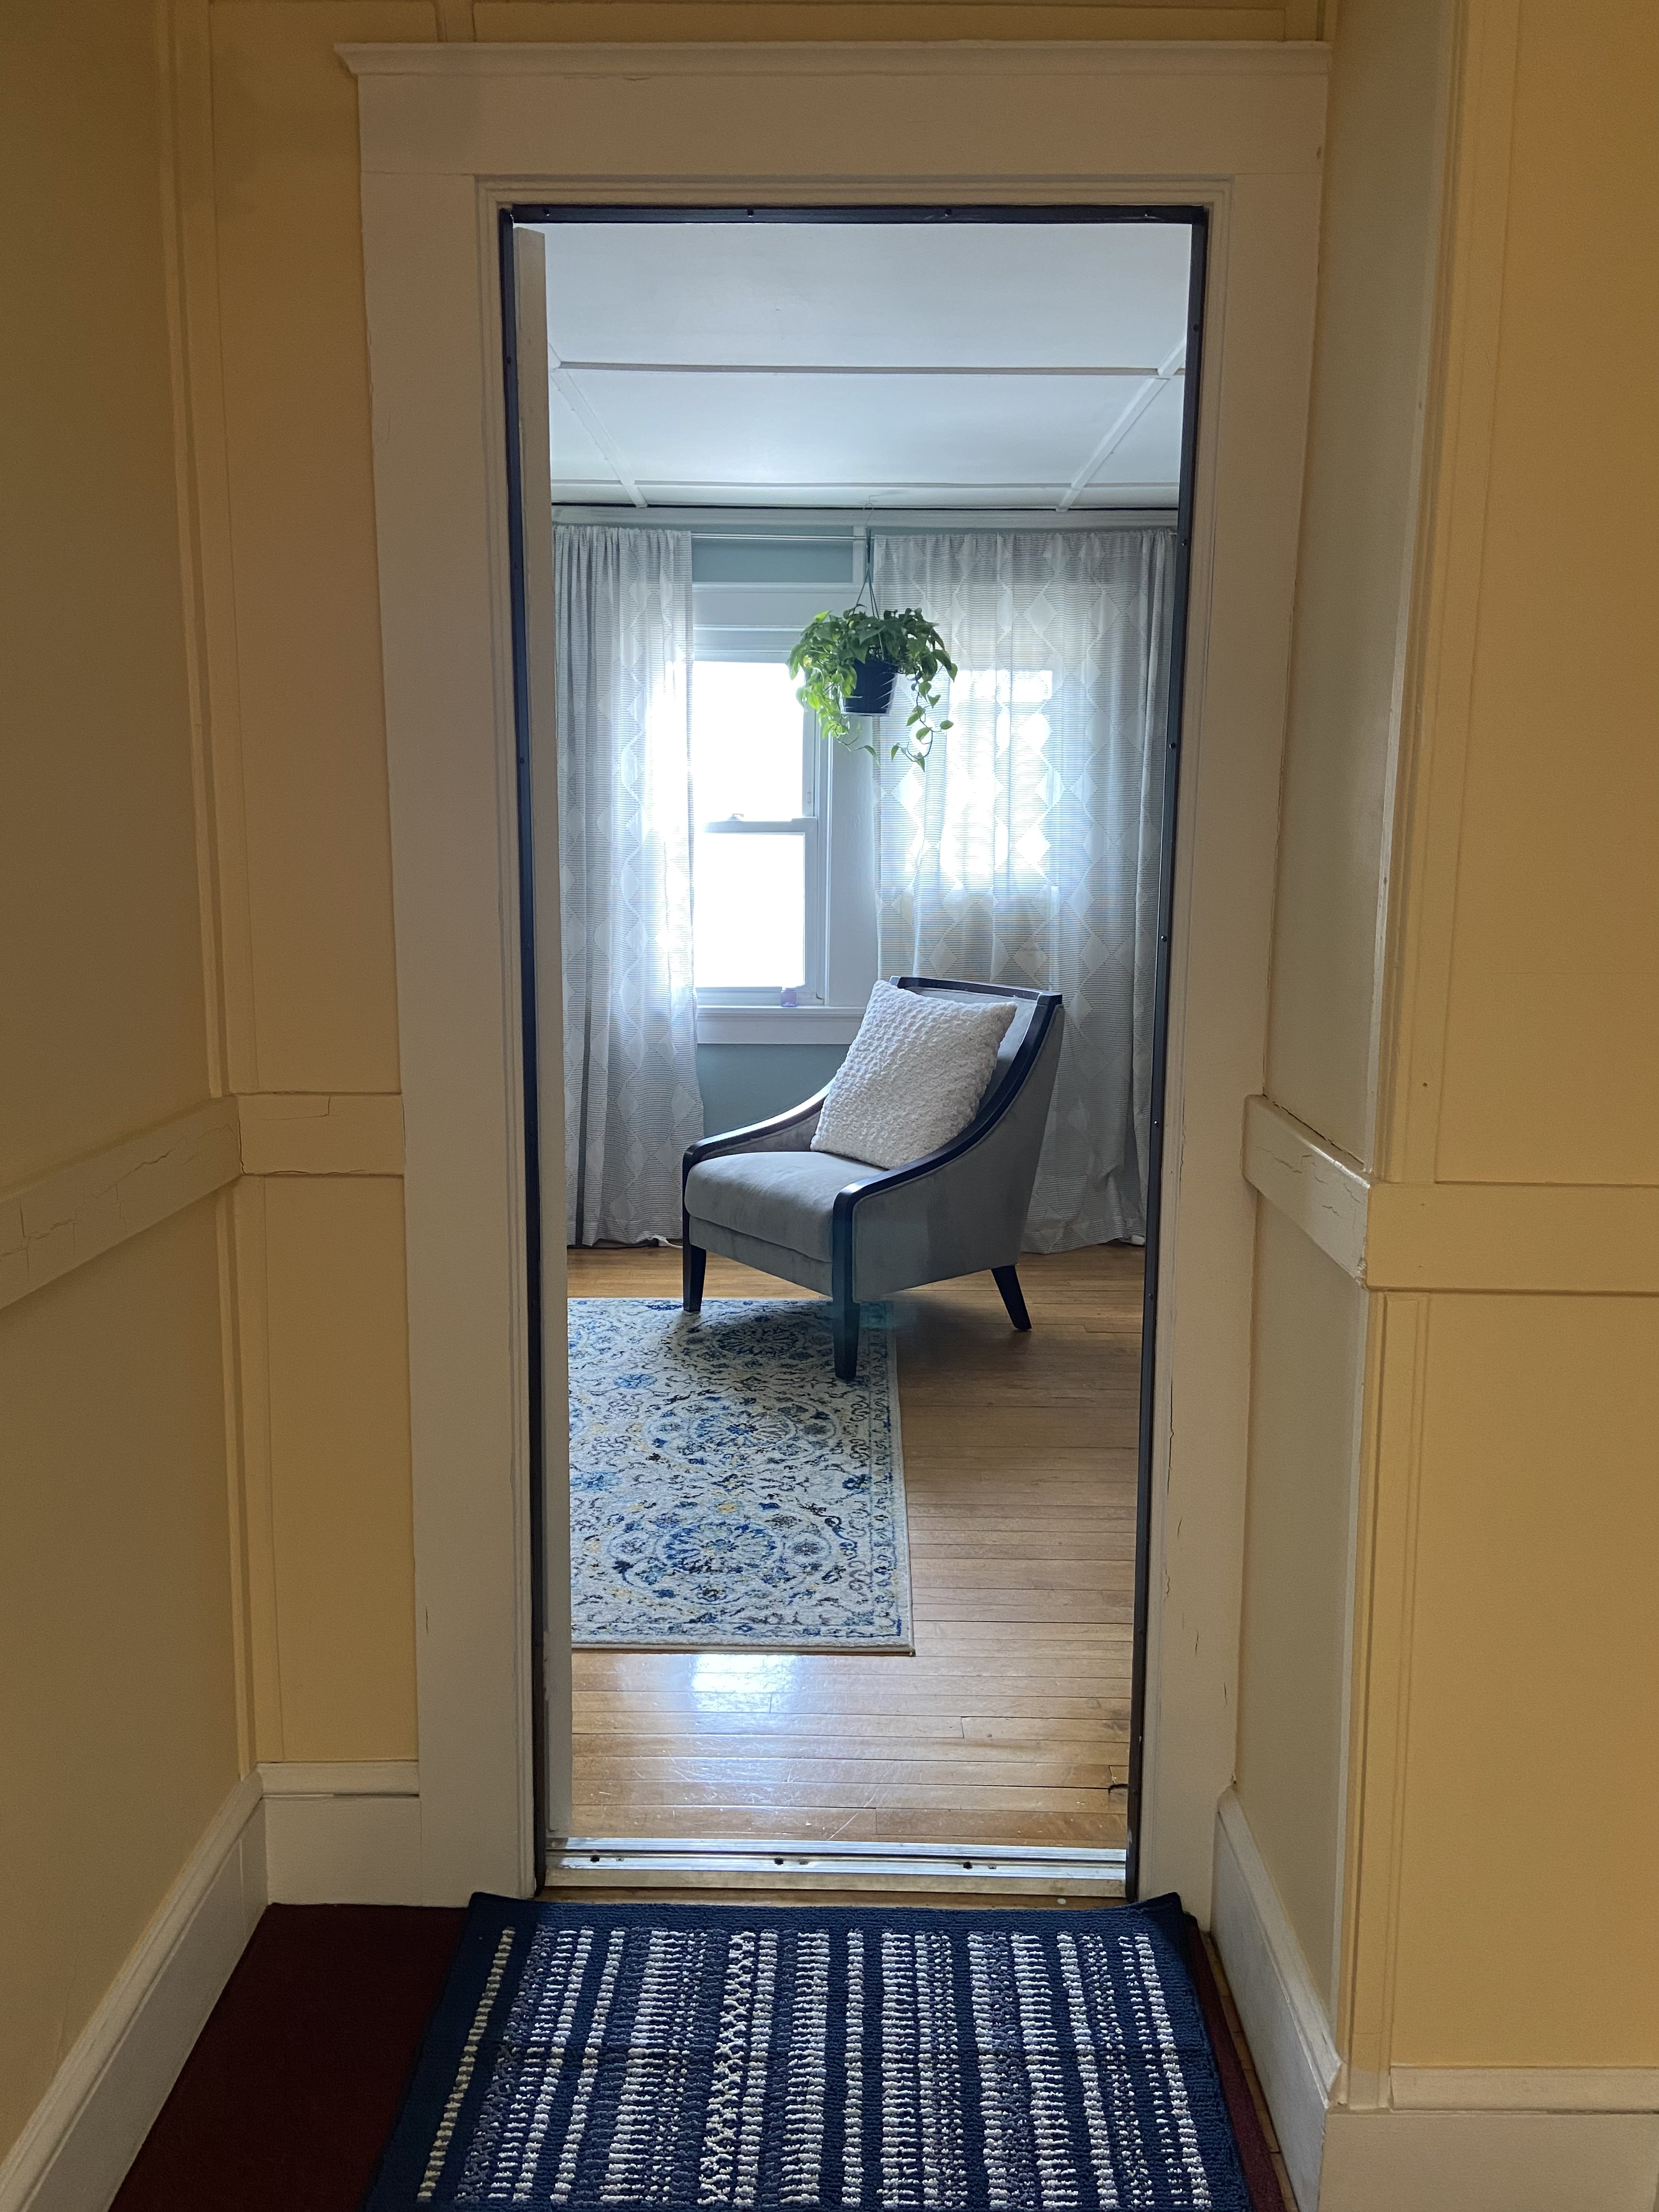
{"x":627,"y":2056}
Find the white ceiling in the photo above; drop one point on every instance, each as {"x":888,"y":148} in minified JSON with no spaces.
{"x":851,"y":365}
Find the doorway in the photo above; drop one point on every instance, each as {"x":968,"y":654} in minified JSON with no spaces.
{"x":699,"y":385}
{"x":450,"y":136}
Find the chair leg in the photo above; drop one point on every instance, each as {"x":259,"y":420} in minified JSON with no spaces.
{"x":1007,"y":1281}
{"x":844,"y":1329}
{"x":693,"y":1260}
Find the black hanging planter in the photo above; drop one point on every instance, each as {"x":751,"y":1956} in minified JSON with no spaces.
{"x":873,"y":688}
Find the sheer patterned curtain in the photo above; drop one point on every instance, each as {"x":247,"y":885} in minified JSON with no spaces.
{"x":622,"y":704}
{"x":1027,"y":852}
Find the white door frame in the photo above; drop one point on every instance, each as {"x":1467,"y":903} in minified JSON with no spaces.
{"x":451,"y":134}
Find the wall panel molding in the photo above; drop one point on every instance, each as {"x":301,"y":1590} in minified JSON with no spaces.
{"x":326,"y":1133}
{"x":1321,"y":1190}
{"x":1524,"y":2089}
{"x":1566,"y":1238}
{"x":63,"y":1220}
{"x":1592,"y":1239}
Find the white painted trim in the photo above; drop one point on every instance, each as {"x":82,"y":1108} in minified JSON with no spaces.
{"x":306,"y":1132}
{"x":103,"y":2100}
{"x":344,"y":1831}
{"x":1509,"y":2161}
{"x":340,"y":1777}
{"x":1595,"y":1238}
{"x":64,"y":1219}
{"x":1524,"y":2089}
{"x":1284,"y":2019}
{"x":448,"y":136}
{"x":1322,"y":1191}
{"x":778,"y":1025}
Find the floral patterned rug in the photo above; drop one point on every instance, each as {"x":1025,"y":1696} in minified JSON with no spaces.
{"x":726,"y":1493}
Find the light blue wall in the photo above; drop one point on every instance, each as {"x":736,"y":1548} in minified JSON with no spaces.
{"x":744,"y":1082}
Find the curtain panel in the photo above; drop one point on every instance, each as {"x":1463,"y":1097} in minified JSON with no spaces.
{"x":1027,"y":851}
{"x":623,"y":699}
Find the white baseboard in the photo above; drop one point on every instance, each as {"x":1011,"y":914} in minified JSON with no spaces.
{"x":1284,"y":2021}
{"x":1450,"y":2139}
{"x":1513,"y":2161}
{"x":342,"y":1832}
{"x":86,"y":2130}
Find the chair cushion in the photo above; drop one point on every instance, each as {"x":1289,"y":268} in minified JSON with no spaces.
{"x":782,"y":1197}
{"x":915,"y":1076}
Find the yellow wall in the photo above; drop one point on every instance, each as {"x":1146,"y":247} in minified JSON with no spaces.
{"x":115,"y":1624}
{"x":1309,"y":1341}
{"x":309,"y":871}
{"x":117,"y":1676}
{"x":1534,"y":1691}
{"x":101,"y":996}
{"x":1496,"y":1802}
{"x":342,"y":1540}
{"x":1378,"y":232}
{"x":1534,"y":1705}
{"x":1370,"y":357}
{"x":1553,"y":1042}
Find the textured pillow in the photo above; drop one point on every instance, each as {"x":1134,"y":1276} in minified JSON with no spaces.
{"x":915,"y":1076}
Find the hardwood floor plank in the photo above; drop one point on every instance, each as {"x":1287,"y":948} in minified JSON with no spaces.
{"x":1009,"y":1724}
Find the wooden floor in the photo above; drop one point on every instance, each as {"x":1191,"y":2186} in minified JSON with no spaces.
{"x":1010,"y":1724}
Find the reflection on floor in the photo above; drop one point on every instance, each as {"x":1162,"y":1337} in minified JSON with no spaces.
{"x":1010,"y":1725}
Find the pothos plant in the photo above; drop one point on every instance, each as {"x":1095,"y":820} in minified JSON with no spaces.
{"x":842,"y":657}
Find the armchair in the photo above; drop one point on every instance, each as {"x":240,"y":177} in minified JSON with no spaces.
{"x":856,"y":1233}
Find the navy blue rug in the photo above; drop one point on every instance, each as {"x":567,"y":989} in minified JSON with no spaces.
{"x":627,"y":2056}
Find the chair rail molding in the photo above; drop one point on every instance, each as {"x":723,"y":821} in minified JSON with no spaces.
{"x":1597,"y":1238}
{"x":73,"y":1213}
{"x":285,"y":1133}
{"x":64,"y":1218}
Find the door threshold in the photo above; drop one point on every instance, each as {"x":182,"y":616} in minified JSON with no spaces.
{"x":699,"y":1862}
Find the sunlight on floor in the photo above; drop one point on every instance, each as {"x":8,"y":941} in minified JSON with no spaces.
{"x":721,"y":1681}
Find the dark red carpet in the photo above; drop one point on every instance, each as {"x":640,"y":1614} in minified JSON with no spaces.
{"x":292,"y":2088}
{"x":291,"y":2091}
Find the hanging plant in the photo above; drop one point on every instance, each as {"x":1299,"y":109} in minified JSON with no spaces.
{"x":850,"y":662}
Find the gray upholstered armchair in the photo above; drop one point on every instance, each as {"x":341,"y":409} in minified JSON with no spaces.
{"x":856,"y":1232}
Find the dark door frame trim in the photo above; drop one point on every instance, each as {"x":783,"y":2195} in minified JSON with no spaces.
{"x":1195,"y":219}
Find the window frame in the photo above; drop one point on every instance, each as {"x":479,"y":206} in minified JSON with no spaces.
{"x":811,"y":825}
{"x":760,"y":622}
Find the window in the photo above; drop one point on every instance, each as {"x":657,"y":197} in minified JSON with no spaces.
{"x":758,"y":844}
{"x":783,"y":826}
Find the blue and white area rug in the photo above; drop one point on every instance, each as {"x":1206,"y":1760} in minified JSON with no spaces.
{"x":620,"y":2056}
{"x":726,"y":1493}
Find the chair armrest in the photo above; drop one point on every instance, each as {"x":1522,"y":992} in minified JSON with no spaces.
{"x":788,"y":1132}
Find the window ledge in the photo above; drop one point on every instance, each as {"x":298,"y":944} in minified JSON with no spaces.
{"x":778,"y":1025}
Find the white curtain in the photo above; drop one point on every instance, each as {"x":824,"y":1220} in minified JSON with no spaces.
{"x":1027,"y":852}
{"x":622,"y":703}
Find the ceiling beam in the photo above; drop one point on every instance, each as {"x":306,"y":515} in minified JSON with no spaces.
{"x":582,"y":407}
{"x":1121,"y":428}
{"x":851,"y":498}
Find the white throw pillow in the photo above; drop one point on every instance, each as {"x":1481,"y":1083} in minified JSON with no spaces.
{"x":915,"y":1076}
